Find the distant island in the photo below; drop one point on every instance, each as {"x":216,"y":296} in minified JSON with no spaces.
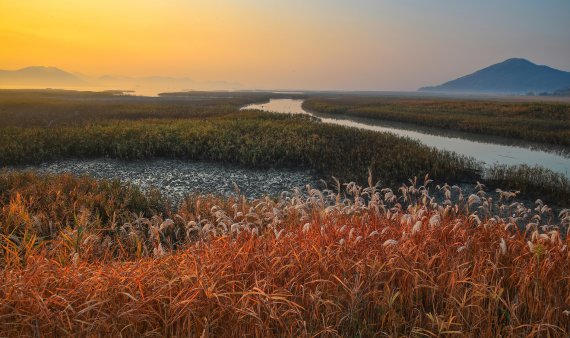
{"x":39,"y":76}
{"x":53,"y":77}
{"x":512,"y":76}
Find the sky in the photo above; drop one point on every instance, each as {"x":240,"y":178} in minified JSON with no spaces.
{"x":294,"y":44}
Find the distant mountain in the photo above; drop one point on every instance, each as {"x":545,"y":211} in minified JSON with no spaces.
{"x":38,"y":76}
{"x":513,"y":76}
{"x":43,"y":77}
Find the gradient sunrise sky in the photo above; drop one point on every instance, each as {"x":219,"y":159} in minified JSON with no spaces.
{"x":295,"y":44}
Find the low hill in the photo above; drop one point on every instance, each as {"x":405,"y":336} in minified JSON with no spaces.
{"x":38,"y":76}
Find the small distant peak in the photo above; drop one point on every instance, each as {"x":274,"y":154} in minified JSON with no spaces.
{"x":42,"y":69}
{"x":34,"y":68}
{"x":517,"y":61}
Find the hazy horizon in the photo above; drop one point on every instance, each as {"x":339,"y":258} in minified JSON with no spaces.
{"x":321,"y":45}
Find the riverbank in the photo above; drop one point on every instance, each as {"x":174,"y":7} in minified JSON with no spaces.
{"x":544,"y":122}
{"x":488,"y":150}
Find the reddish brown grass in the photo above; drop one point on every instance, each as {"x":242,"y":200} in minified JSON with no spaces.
{"x":356,"y":267}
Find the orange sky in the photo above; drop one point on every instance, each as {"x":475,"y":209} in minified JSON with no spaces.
{"x":264,"y":44}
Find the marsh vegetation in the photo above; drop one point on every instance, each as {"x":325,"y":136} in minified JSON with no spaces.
{"x":199,"y":126}
{"x":544,"y":122}
{"x":84,"y":256}
{"x":56,"y":108}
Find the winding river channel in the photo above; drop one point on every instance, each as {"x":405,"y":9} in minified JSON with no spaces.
{"x":486,"y":149}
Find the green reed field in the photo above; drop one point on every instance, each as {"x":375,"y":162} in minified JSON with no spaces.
{"x":247,"y":138}
{"x":543,"y":122}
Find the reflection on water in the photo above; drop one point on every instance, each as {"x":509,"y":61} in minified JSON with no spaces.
{"x":177,"y":178}
{"x":286,"y":106}
{"x":487,"y":149}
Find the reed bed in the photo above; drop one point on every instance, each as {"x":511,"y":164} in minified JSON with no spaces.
{"x":251,"y":139}
{"x":535,"y":181}
{"x":544,"y":122}
{"x":263,"y":140}
{"x":422,"y":260}
{"x":49,"y":125}
{"x":56,"y":108}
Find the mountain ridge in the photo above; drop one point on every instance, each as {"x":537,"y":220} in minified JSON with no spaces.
{"x":53,"y":77}
{"x":512,"y":76}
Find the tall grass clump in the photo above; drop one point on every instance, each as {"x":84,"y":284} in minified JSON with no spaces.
{"x":536,"y":182}
{"x":344,"y":261}
{"x":47,"y":203}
